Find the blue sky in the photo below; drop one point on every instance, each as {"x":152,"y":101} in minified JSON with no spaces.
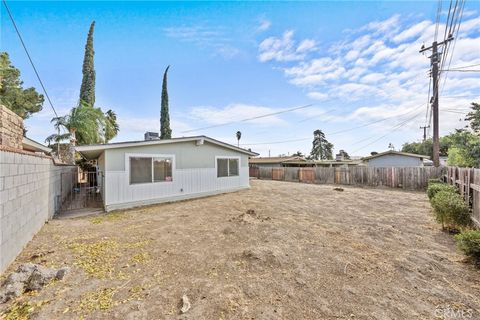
{"x":355,"y":62}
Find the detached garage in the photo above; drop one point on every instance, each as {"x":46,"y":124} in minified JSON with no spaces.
{"x":146,"y":172}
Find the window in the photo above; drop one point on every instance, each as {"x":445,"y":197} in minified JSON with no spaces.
{"x":140,"y":170}
{"x":150,"y":169}
{"x":227,"y":167}
{"x":162,"y":169}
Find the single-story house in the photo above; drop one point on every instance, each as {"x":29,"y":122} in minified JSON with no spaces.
{"x":276,"y":162}
{"x":146,"y":172}
{"x":395,"y":159}
{"x":34,"y":146}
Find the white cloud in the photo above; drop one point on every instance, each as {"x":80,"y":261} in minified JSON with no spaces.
{"x":306,"y":45}
{"x":413,"y":31}
{"x":380,"y":64}
{"x":205,"y":37}
{"x":235,"y":112}
{"x":134,"y":128}
{"x":318,"y":95}
{"x":284,"y":48}
{"x":264,"y":25}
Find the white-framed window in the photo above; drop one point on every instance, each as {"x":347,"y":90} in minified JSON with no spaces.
{"x":149,"y":168}
{"x":227,"y":166}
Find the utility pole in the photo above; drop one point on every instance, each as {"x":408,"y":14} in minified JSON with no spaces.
{"x":434,"y":61}
{"x":424,"y":132}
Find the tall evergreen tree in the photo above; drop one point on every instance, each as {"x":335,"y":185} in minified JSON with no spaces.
{"x":87,"y":90}
{"x":321,"y":148}
{"x":23,"y":102}
{"x":165,"y":131}
{"x":474,"y":117}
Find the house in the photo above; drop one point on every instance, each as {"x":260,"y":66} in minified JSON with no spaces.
{"x":146,"y":172}
{"x":34,"y":146}
{"x":395,"y":159}
{"x":270,"y":162}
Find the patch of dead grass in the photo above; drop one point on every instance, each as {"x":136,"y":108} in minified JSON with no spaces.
{"x":101,"y":299}
{"x":109,"y":217}
{"x":96,"y":259}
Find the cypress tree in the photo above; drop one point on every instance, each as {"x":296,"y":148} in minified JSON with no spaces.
{"x":87,"y":90}
{"x":165,"y":131}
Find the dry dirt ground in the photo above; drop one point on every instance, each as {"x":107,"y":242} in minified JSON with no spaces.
{"x":305,"y":252}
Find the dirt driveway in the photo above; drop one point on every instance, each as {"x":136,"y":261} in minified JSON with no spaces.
{"x":304,"y":252}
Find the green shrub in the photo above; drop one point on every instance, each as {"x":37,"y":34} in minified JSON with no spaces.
{"x":469,"y":243}
{"x":433,"y":181}
{"x":436,"y":187}
{"x":450,"y":209}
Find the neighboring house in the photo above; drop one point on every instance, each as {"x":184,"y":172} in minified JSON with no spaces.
{"x":395,"y":159}
{"x":275,"y":162}
{"x":338,"y":163}
{"x":146,"y":172}
{"x":34,"y":146}
{"x":262,"y":162}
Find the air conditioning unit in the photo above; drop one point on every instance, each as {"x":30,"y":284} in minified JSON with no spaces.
{"x":151,"y":136}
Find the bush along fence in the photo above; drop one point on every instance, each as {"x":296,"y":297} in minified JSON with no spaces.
{"x":450,"y":203}
{"x":467,"y":181}
{"x":411,"y":178}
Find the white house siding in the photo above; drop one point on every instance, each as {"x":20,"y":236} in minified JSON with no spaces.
{"x":101,"y":173}
{"x":395,"y":160}
{"x":194,"y":175}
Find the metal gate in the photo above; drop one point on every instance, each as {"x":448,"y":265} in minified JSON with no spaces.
{"x":81,"y":189}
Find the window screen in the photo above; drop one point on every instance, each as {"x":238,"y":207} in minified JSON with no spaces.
{"x":233,"y":167}
{"x":148,"y":170}
{"x":222,"y":167}
{"x":162,"y":169}
{"x":140,"y":170}
{"x":227,"y":167}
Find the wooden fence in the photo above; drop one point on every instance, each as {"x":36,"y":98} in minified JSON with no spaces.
{"x":467,"y":180}
{"x":411,"y":178}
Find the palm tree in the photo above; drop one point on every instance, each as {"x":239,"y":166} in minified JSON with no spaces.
{"x":111,"y":125}
{"x":239,"y":135}
{"x":84,"y":125}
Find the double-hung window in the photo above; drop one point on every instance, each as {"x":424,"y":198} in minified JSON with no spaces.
{"x":150,"y":169}
{"x":227,"y":167}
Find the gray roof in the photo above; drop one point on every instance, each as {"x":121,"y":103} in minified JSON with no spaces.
{"x":392,"y":152}
{"x":93,"y":151}
{"x":30,"y":144}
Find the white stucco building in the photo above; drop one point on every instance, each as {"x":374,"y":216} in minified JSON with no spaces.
{"x":146,"y":172}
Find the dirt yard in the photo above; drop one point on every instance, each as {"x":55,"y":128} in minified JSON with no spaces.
{"x":277,"y":251}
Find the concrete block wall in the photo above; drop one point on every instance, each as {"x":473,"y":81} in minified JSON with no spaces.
{"x":30,"y":186}
{"x":11,"y":128}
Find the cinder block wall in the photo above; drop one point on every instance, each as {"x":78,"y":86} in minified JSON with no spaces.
{"x":29,"y":196}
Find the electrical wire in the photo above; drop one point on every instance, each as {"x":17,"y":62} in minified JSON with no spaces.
{"x":393,"y":130}
{"x":249,"y":119}
{"x":332,"y":133}
{"x":458,"y":24}
{"x":29,"y":57}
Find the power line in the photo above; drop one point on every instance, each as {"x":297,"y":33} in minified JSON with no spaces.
{"x":29,"y":58}
{"x":394,"y":129}
{"x":332,"y":133}
{"x":458,"y":22}
{"x":469,"y":66}
{"x":249,"y":119}
{"x":460,"y":70}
